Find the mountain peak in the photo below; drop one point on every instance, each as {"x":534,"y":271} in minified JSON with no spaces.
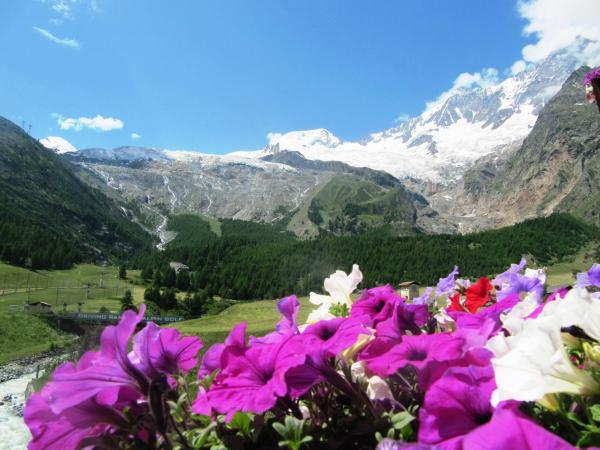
{"x":319,"y":137}
{"x":58,"y":145}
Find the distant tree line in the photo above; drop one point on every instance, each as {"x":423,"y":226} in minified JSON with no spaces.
{"x":252,"y":261}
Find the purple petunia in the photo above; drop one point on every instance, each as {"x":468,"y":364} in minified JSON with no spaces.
{"x":455,"y":405}
{"x":103,"y":383}
{"x":589,"y":278}
{"x":335,"y":335}
{"x":592,"y":74}
{"x":254,"y":380}
{"x":405,"y":318}
{"x":376,"y":303}
{"x":446,"y":285}
{"x":429,"y":354}
{"x":516,"y":283}
{"x":505,"y":276}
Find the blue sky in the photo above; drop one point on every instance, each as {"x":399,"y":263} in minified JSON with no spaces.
{"x":217,"y":76}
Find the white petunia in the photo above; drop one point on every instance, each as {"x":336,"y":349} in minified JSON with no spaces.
{"x":578,"y":308}
{"x":513,"y":320}
{"x":534,"y":363}
{"x":340,"y":287}
{"x":377,"y":388}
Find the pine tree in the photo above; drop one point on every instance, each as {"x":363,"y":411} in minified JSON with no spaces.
{"x":183,"y":280}
{"x":127,"y":301}
{"x":122,"y":272}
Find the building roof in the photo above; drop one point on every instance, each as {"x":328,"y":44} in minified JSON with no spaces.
{"x":177,"y":265}
{"x":40,"y":304}
{"x":407,"y":283}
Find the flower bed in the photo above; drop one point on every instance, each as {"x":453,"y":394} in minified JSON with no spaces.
{"x":494,"y":364}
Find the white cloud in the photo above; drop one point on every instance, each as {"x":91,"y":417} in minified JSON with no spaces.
{"x":97,"y":123}
{"x":63,"y":8}
{"x":66,"y":9}
{"x":557,"y":24}
{"x":402,"y":117}
{"x":487,"y":77}
{"x":135,"y":136}
{"x":72,"y":43}
{"x":517,"y":67}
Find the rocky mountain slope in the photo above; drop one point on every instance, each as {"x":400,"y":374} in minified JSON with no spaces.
{"x":275,"y":188}
{"x":556,"y":169}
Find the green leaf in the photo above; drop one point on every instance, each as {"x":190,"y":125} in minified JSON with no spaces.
{"x":401,"y":420}
{"x":595,"y":410}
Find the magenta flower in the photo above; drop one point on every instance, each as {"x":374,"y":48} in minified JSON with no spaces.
{"x":510,"y":428}
{"x":429,"y":354}
{"x":455,"y":405}
{"x":101,"y":373}
{"x":477,"y":328}
{"x":105,"y":373}
{"x":404,"y":318}
{"x":163,"y":350}
{"x":377,"y":303}
{"x":288,"y":308}
{"x":254,"y":380}
{"x":65,"y":431}
{"x":592,"y":74}
{"x":235,"y":344}
{"x":335,"y":335}
{"x":82,"y":398}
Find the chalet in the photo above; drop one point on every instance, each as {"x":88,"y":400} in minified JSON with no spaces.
{"x":177,"y":266}
{"x":409,"y":289}
{"x":39,"y":307}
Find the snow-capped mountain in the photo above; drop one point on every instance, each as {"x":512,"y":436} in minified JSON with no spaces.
{"x":460,"y":127}
{"x":123,"y":154}
{"x":58,"y":145}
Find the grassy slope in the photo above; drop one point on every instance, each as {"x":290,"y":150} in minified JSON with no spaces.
{"x":70,"y":286}
{"x":261,"y":317}
{"x":24,"y":334}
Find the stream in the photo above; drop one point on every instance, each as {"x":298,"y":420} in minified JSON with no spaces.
{"x":14,"y":435}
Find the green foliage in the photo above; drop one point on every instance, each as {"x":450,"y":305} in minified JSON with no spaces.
{"x":268,"y":264}
{"x":127,"y":301}
{"x":23,"y":334}
{"x":183,"y":280}
{"x":191,"y":230}
{"x":51,"y":219}
{"x":292,"y":433}
{"x":195,"y":305}
{"x":347,"y":206}
{"x":122,"y":272}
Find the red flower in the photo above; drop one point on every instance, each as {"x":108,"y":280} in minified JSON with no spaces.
{"x":478,"y":294}
{"x":455,"y":303}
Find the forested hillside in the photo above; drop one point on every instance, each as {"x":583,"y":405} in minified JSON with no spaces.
{"x":48,"y":217}
{"x":252,"y":260}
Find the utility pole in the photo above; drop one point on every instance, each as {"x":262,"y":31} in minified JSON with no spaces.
{"x":28,"y":291}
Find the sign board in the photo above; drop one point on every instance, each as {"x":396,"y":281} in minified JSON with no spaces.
{"x":117,"y":317}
